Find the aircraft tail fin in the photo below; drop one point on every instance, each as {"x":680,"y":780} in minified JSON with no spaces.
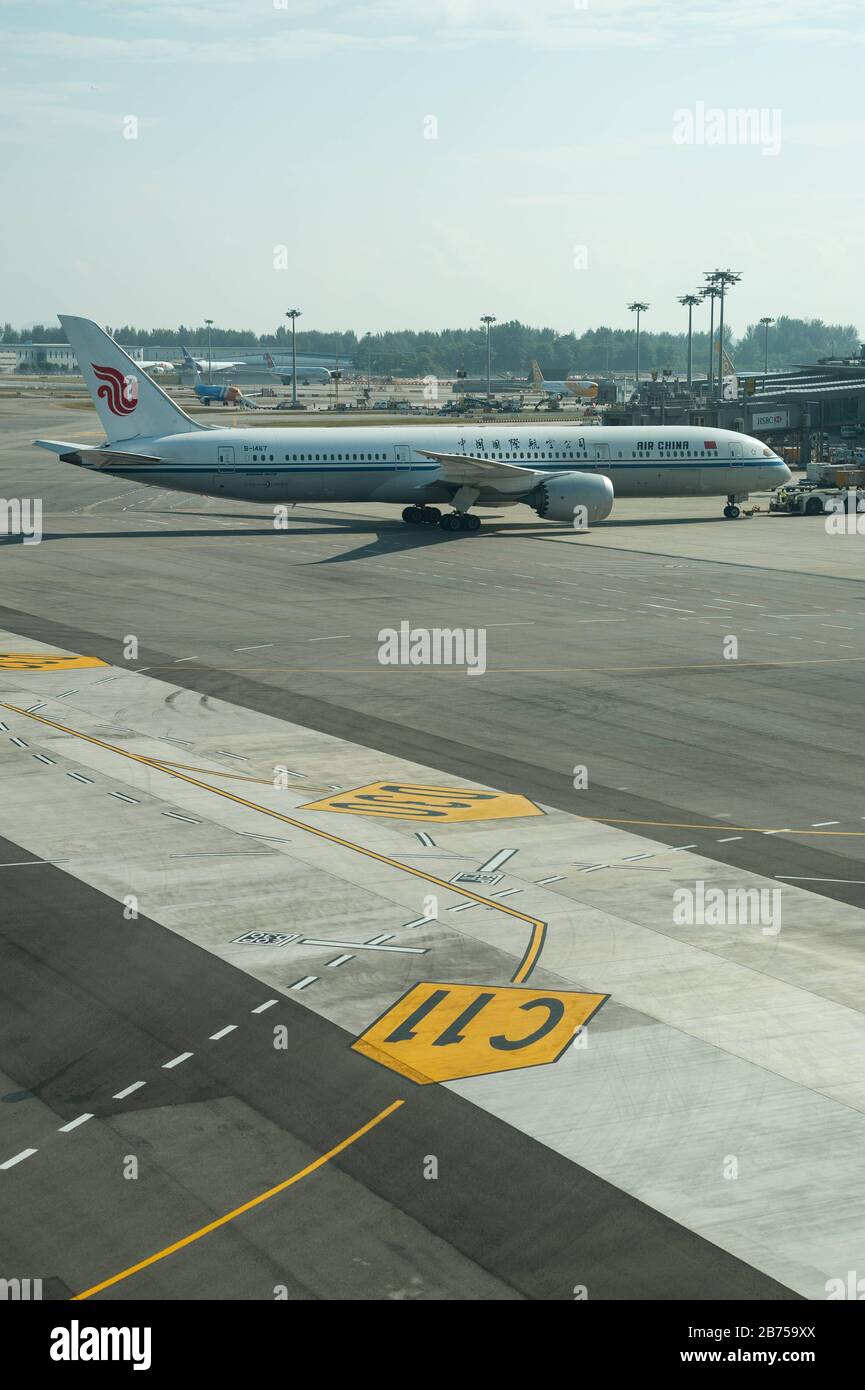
{"x":128,"y":402}
{"x":537,"y":375}
{"x":270,"y":362}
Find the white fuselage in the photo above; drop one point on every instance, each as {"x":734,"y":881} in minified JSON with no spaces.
{"x":388,"y":463}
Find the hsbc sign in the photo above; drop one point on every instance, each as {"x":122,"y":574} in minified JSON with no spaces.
{"x":770,"y":420}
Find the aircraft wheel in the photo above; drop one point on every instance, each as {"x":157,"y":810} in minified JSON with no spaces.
{"x":469,"y":522}
{"x":814,"y":506}
{"x":450,"y":522}
{"x":412,"y":515}
{"x":431,"y":516}
{"x":731,"y":512}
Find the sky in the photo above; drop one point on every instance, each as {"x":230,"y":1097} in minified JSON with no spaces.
{"x":419,"y":163}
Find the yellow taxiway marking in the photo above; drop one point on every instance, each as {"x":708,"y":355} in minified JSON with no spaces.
{"x":459,"y":671}
{"x":247,"y":1206}
{"x":538,"y":927}
{"x":415,"y":801}
{"x":45,"y":661}
{"x":447,"y":1032}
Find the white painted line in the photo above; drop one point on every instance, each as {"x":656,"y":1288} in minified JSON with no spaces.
{"x":4,"y":728}
{"x":223,"y":1032}
{"x":259,"y":646}
{"x":302,"y":984}
{"x":184,"y":742}
{"x":340,"y":960}
{"x":73,"y":1124}
{"x":25,"y":863}
{"x":79,"y":777}
{"x":418,"y":922}
{"x":364,"y":945}
{"x":19,"y":1158}
{"x":19,"y":742}
{"x":729,"y":838}
{"x":593,"y":868}
{"x":816,"y":824}
{"x":127,"y":1091}
{"x":69,"y":692}
{"x":558,"y":878}
{"x":506,"y":893}
{"x":175,"y":1061}
{"x":177,"y":660}
{"x":674,"y":848}
{"x":268,"y":1004}
{"x":121,"y":796}
{"x":801,"y":878}
{"x":629,"y":857}
{"x":31,"y":708}
{"x":463,"y":907}
{"x":497,"y":860}
{"x":256,"y":835}
{"x":339,"y":637}
{"x":425,"y":839}
{"x":42,"y":758}
{"x":175,"y":815}
{"x":239,"y":756}
{"x":377,"y":940}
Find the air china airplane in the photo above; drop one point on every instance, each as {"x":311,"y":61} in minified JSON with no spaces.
{"x":557,"y":470}
{"x":304,"y":374}
{"x":155,"y":368}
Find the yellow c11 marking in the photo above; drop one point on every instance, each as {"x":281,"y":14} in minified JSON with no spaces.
{"x":45,"y":661}
{"x":412,"y":801}
{"x":247,"y":1206}
{"x":536,"y":939}
{"x":446,"y":1032}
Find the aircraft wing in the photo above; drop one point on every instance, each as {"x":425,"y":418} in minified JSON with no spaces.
{"x":467,"y":470}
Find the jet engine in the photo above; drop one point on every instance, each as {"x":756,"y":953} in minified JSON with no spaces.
{"x":579,"y":498}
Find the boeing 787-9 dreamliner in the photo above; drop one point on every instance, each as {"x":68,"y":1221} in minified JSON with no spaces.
{"x":566,"y":473}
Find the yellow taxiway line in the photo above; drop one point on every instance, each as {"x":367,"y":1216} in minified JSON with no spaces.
{"x":538,"y":927}
{"x":246,"y":1206}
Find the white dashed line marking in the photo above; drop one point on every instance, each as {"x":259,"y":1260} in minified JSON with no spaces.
{"x":79,"y":777}
{"x":19,"y":742}
{"x":268,"y":1004}
{"x":43,"y":758}
{"x":175,"y":815}
{"x":223,"y":1032}
{"x":176,"y":1061}
{"x":301,"y":984}
{"x":729,"y":839}
{"x":816,"y":824}
{"x":558,"y":878}
{"x":18,"y":1158}
{"x":73,"y":1124}
{"x":259,"y":646}
{"x":121,"y":796}
{"x":127,"y":1091}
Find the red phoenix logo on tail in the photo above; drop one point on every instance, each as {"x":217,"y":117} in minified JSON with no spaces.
{"x":119,"y":392}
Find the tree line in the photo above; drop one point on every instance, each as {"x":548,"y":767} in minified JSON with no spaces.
{"x":513,"y":346}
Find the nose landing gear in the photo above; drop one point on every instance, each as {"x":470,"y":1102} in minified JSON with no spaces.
{"x":732,"y":512}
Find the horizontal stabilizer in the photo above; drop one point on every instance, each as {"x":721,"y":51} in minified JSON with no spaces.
{"x":94,"y":458}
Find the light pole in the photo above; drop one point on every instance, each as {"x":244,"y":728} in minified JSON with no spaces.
{"x":209,"y":323}
{"x":294,"y":315}
{"x":489,"y":320}
{"x":766,"y":322}
{"x":722,"y":280}
{"x":710,"y":291}
{"x":638,"y":308}
{"x":690,"y":301}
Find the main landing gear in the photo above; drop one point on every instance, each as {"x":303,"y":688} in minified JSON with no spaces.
{"x":451,"y":521}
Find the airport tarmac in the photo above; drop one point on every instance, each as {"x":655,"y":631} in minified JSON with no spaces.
{"x":692,"y":1129}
